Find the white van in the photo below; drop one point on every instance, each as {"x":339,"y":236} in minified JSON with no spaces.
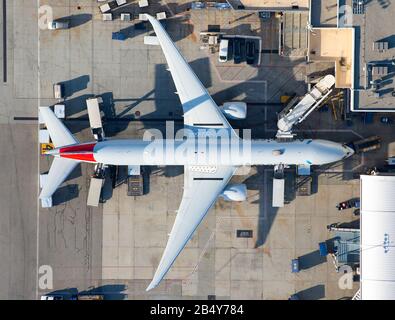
{"x":55,"y":25}
{"x":223,"y":50}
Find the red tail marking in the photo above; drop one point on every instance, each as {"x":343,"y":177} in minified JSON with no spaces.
{"x":83,"y":152}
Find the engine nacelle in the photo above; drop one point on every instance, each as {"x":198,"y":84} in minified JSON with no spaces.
{"x":236,"y":110}
{"x":235,"y":192}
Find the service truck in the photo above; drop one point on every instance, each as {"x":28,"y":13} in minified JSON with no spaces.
{"x":365,"y":145}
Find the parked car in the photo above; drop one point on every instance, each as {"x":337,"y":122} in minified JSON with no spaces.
{"x":223,"y":50}
{"x":238,"y":52}
{"x":230,"y":49}
{"x":353,"y":203}
{"x":386,"y":120}
{"x":250,"y":52}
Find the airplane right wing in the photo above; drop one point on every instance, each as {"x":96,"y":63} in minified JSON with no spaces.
{"x":200,"y":110}
{"x":202,"y":185}
{"x":208,"y":185}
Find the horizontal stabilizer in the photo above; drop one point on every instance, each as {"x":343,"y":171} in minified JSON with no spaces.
{"x":58,"y":173}
{"x":60,"y":135}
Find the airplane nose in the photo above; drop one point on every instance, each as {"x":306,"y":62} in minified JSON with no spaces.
{"x":348,"y":151}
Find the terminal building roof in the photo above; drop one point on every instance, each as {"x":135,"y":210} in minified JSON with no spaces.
{"x":378,"y":237}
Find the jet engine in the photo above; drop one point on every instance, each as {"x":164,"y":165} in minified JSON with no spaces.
{"x":234,"y":110}
{"x":235,"y":192}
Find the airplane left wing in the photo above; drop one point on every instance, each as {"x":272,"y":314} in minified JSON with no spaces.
{"x":202,"y":186}
{"x":200,"y":110}
{"x":59,"y":171}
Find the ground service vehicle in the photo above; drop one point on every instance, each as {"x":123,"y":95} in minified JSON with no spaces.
{"x":238,"y":50}
{"x":56,"y":25}
{"x":368,"y":144}
{"x":223,"y":50}
{"x":250,"y":52}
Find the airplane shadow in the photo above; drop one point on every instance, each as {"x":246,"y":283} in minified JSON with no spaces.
{"x":65,"y":194}
{"x":76,"y":20}
{"x":314,"y":293}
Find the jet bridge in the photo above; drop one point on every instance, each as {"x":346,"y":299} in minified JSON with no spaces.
{"x":296,"y":112}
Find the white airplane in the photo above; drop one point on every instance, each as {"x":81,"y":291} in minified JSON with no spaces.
{"x":206,"y":174}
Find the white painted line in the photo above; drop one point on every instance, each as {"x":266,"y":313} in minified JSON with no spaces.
{"x":234,"y":81}
{"x":38,"y":153}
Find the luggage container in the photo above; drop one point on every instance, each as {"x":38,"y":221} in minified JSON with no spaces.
{"x":125,"y":17}
{"x":58,"y":91}
{"x":135,"y":185}
{"x":107,"y":17}
{"x":295,"y":265}
{"x":44,"y":136}
{"x":59,"y":110}
{"x":107,"y":7}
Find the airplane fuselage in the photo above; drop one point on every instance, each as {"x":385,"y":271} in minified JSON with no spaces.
{"x":208,"y":152}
